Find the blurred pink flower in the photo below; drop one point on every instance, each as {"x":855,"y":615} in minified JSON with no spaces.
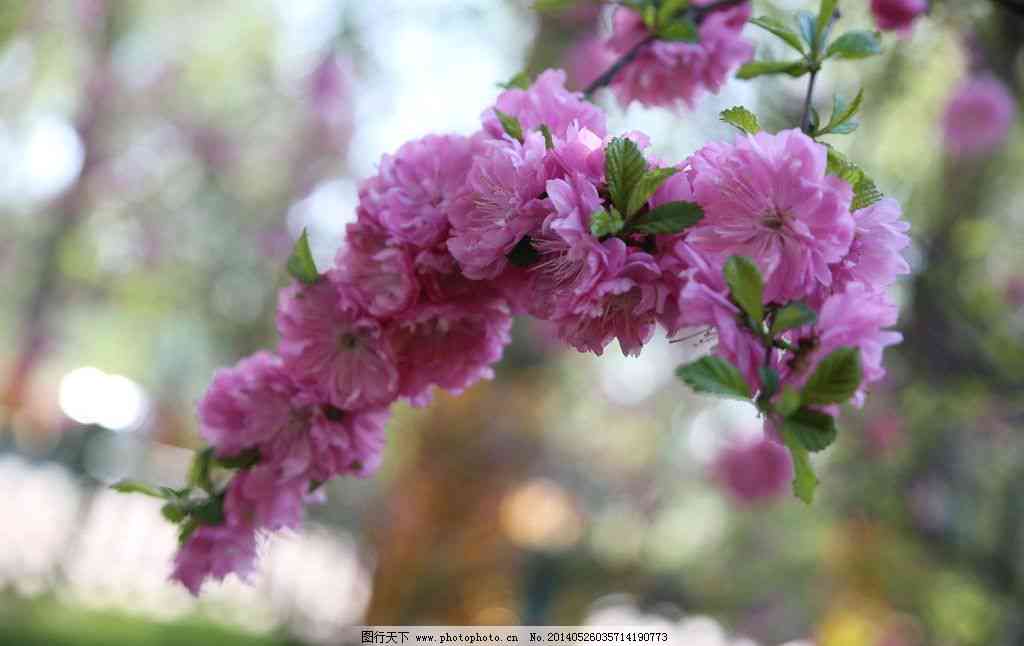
{"x":667,"y":73}
{"x":897,"y":15}
{"x":215,"y":552}
{"x":586,"y":60}
{"x":978,"y":117}
{"x":754,"y":472}
{"x":884,"y":433}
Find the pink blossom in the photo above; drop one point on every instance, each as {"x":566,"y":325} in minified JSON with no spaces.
{"x":545,"y":102}
{"x":854,"y":318}
{"x":382,"y":281}
{"x":246,"y":404}
{"x":754,"y":472}
{"x":978,"y":117}
{"x":667,"y":73}
{"x":767,"y":197}
{"x":266,"y":496}
{"x":587,"y":59}
{"x":450,"y":345}
{"x":330,"y":344}
{"x":416,"y":186}
{"x":704,"y":301}
{"x":874,"y":258}
{"x":215,"y":552}
{"x":503,"y":202}
{"x":897,"y":15}
{"x":330,"y":92}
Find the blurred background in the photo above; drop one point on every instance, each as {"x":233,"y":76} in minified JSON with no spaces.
{"x":158,"y":158}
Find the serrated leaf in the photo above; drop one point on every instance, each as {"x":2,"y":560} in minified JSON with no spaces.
{"x":854,"y":45}
{"x":549,"y":142}
{"x":763,"y":68}
{"x":745,"y":286}
{"x":835,"y":379}
{"x":780,"y":29}
{"x":133,"y":486}
{"x":804,"y":480}
{"x":815,"y":431}
{"x":716,"y":376}
{"x":520,"y":81}
{"x":740,"y":117}
{"x":604,"y":223}
{"x":667,"y":218}
{"x":793,"y":315}
{"x":646,"y":187}
{"x":300,"y":262}
{"x":683,"y":30}
{"x":865,"y":193}
{"x":523,"y":254}
{"x":842,"y":111}
{"x":624,"y":165}
{"x":806,"y":23}
{"x":510,"y":125}
{"x":787,"y":402}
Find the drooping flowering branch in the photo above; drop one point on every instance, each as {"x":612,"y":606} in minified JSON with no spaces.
{"x":775,"y":242}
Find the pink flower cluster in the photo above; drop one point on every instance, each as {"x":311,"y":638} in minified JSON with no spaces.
{"x":455,"y":234}
{"x":898,"y":15}
{"x":978,"y":117}
{"x":665,"y":73}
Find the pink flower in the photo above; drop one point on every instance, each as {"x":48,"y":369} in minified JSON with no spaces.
{"x":854,"y":318}
{"x":546,"y":102}
{"x":666,"y":73}
{"x":450,"y":345}
{"x":874,"y":258}
{"x":416,"y":186}
{"x":767,"y":197}
{"x":704,"y":301}
{"x":246,"y":404}
{"x":382,"y":281}
{"x":330,"y":344}
{"x":587,"y":59}
{"x":215,"y":552}
{"x":266,"y":496}
{"x":503,"y":202}
{"x":897,"y":15}
{"x":754,"y":472}
{"x":978,"y":118}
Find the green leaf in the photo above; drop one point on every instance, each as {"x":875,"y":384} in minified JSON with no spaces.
{"x":604,"y":223}
{"x":520,"y":81}
{"x":510,"y":124}
{"x":806,"y":22}
{"x":667,"y":218}
{"x":624,"y":166}
{"x":190,"y":525}
{"x":795,"y":314}
{"x":825,"y":12}
{"x":669,"y":9}
{"x":683,"y":30}
{"x":133,"y":486}
{"x":741,"y":118}
{"x":716,"y":376}
{"x":210,"y":511}
{"x":769,"y":381}
{"x":842,"y":111}
{"x":553,"y":6}
{"x":549,"y":143}
{"x":787,"y":402}
{"x":780,"y":29}
{"x":173,"y":512}
{"x":650,"y":15}
{"x":835,"y":379}
{"x":523,"y":254}
{"x":854,"y":45}
{"x":865,"y":193}
{"x":646,"y":187}
{"x":199,"y":471}
{"x":243,"y":460}
{"x":815,"y":431}
{"x":763,"y":68}
{"x":746,"y":286}
{"x":804,"y":480}
{"x":300,"y":263}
